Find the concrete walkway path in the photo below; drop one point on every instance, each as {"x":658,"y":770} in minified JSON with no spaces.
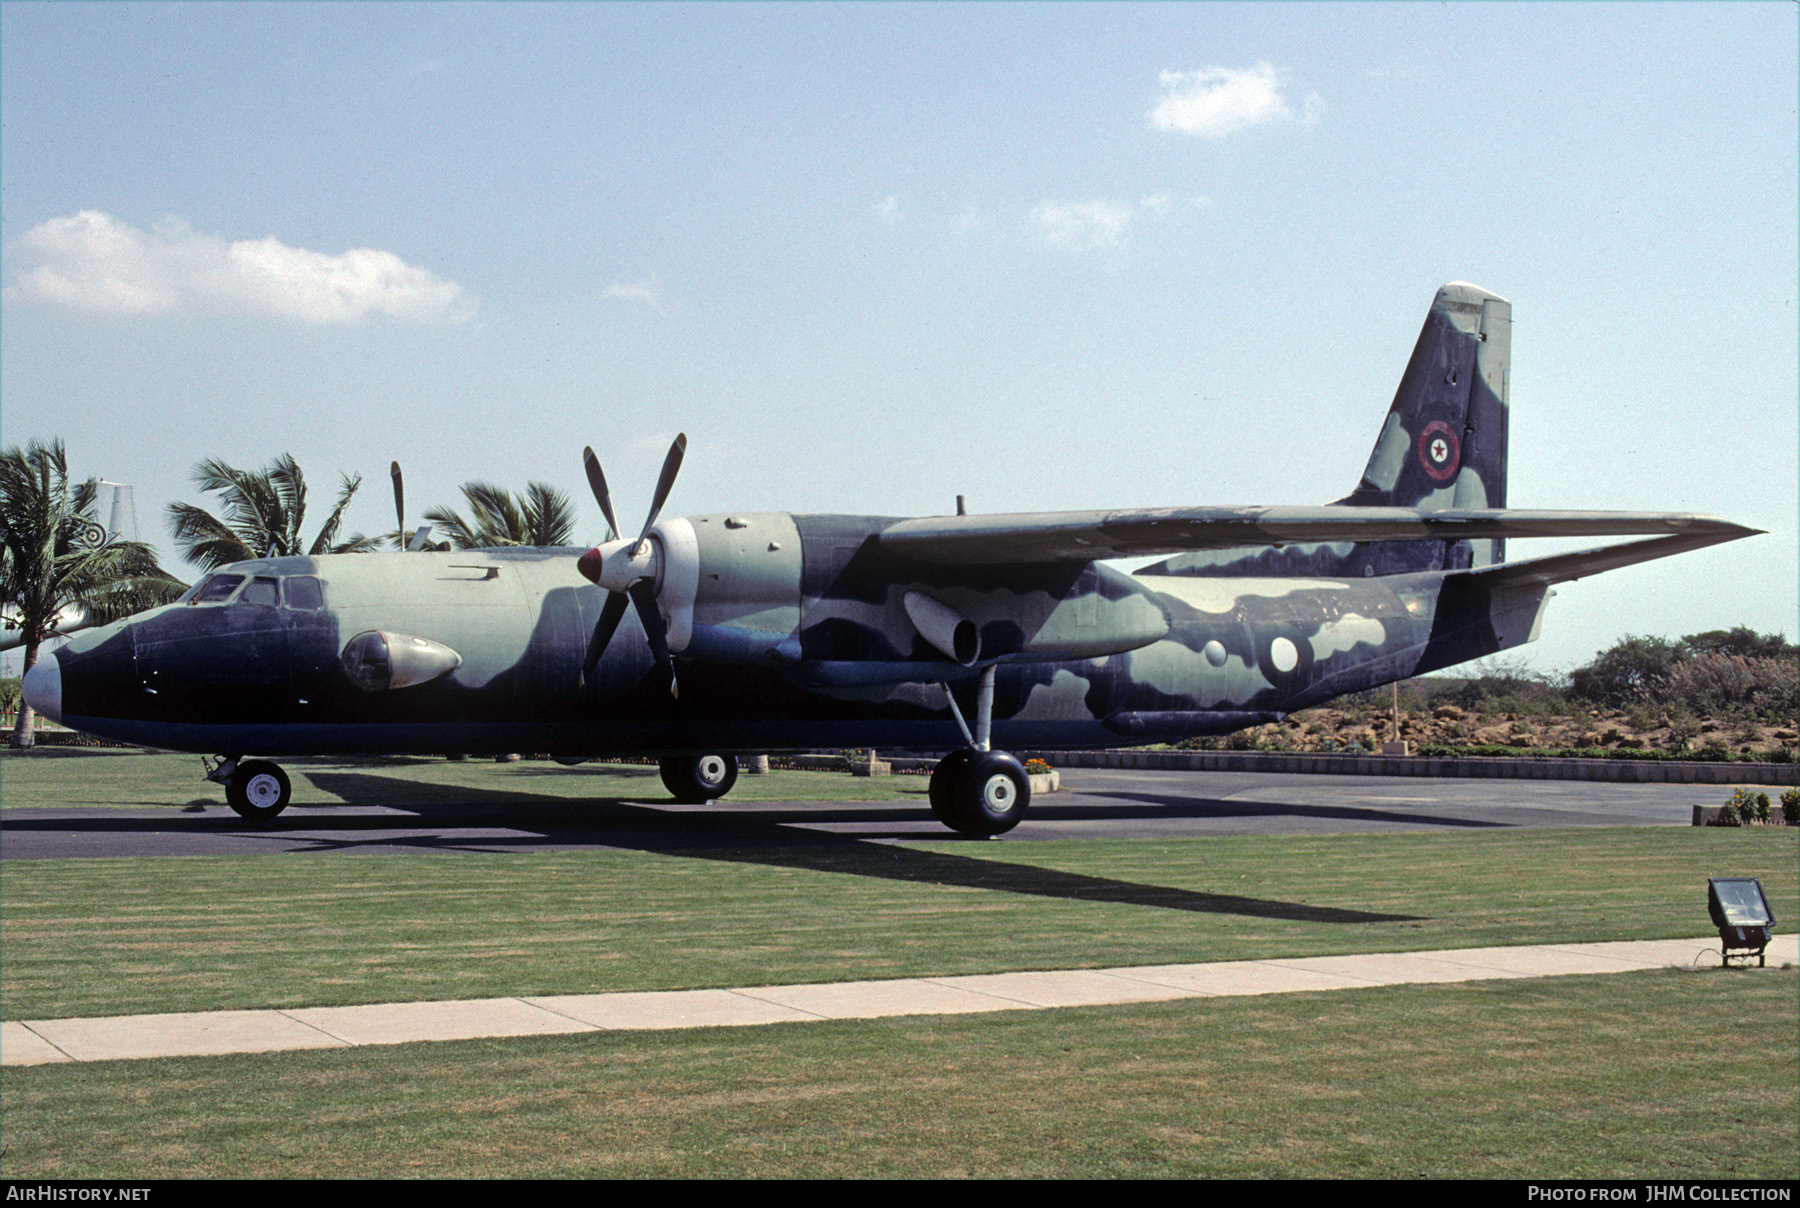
{"x":203,"y":1033}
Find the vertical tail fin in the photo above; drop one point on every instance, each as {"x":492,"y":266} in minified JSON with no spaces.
{"x":1444,"y":442}
{"x":1443,"y":445}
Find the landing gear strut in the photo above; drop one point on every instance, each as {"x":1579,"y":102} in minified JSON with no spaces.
{"x":975,"y":790}
{"x":696,"y":779}
{"x":255,"y":788}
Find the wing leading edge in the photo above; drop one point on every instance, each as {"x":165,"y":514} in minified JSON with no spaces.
{"x":1038,"y":537}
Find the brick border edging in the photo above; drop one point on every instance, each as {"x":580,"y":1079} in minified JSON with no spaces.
{"x":1628,"y":771}
{"x":1638,"y":771}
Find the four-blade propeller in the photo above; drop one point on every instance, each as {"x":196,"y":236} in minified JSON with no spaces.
{"x":629,"y":570}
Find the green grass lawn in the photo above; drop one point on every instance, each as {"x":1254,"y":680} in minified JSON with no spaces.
{"x":1635,"y":1075}
{"x":128,"y":935}
{"x":56,"y":777}
{"x":1672,"y":1075}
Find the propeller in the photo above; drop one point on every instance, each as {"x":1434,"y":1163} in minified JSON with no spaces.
{"x":629,"y":569}
{"x":399,"y":496}
{"x":420,"y":539}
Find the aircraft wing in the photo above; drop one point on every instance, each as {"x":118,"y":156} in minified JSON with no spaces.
{"x":1083,"y":536}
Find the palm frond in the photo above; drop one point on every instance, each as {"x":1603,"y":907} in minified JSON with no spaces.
{"x":323,"y":543}
{"x":549,"y":516}
{"x":453,"y":527}
{"x":52,"y":553}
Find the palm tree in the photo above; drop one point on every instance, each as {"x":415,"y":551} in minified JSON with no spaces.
{"x":263,"y":513}
{"x":56,"y":559}
{"x":543,"y":516}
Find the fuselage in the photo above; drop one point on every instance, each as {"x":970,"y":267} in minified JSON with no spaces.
{"x":789,"y":632}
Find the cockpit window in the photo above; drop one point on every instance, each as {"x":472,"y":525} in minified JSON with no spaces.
{"x":217,"y":589}
{"x":302,"y":591}
{"x":261,"y":591}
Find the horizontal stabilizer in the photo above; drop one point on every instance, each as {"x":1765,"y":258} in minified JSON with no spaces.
{"x":1036,"y":537}
{"x":1562,"y":568}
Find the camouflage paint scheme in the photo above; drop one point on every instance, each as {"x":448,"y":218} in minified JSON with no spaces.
{"x":802,"y":631}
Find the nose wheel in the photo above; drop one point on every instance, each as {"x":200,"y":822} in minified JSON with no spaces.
{"x":255,"y":788}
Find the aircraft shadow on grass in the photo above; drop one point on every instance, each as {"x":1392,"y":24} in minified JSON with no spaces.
{"x":767,"y":836}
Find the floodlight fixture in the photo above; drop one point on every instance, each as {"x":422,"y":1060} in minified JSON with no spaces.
{"x":1740,"y":910}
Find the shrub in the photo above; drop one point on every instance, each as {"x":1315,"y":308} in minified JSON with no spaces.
{"x":1740,"y":641}
{"x":1620,"y":675}
{"x":1747,"y":688}
{"x":1746,"y":807}
{"x":1790,"y":807}
{"x":1704,"y":672}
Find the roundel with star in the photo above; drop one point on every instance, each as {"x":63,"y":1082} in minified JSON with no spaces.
{"x":1440,"y":452}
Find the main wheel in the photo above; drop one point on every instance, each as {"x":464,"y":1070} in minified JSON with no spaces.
{"x":258,"y":790}
{"x":943,"y":784}
{"x":989,"y":795}
{"x":694,"y":779}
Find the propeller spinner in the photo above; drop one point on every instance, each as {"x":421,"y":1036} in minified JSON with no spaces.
{"x":630,"y":569}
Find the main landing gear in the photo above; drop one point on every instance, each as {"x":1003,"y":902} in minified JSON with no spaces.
{"x":697,"y":779}
{"x":255,"y":788}
{"x":975,"y":790}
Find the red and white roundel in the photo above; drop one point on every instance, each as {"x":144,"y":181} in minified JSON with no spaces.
{"x":1440,"y":452}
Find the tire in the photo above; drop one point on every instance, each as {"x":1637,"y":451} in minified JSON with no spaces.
{"x":696,"y":779}
{"x":259,"y":790}
{"x":943,"y":784}
{"x":990,"y":795}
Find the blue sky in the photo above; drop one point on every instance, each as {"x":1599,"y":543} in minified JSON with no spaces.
{"x":869,"y":257}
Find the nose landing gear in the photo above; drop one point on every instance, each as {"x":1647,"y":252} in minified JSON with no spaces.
{"x":255,"y":788}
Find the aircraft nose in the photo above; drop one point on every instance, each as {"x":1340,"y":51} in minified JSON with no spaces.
{"x":43,"y":688}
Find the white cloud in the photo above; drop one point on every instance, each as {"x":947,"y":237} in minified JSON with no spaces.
{"x":649,"y":291}
{"x":92,"y":261}
{"x":967,"y":221}
{"x":888,"y":210}
{"x":1217,"y":101}
{"x":1084,"y":224}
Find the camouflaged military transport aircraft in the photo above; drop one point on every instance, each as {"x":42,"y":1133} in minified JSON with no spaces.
{"x":792,"y":632}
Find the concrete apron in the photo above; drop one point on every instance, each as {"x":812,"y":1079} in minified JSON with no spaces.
{"x":205,"y":1033}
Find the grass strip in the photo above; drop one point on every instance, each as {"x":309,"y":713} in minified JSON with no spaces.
{"x":133,"y":935}
{"x":63,"y":777}
{"x":1666,"y":1075}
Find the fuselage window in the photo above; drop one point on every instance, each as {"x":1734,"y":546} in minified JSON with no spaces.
{"x":302,"y":591}
{"x":217,"y":589}
{"x":261,"y":591}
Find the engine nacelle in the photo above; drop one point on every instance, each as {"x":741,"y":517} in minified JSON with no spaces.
{"x":945,"y":628}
